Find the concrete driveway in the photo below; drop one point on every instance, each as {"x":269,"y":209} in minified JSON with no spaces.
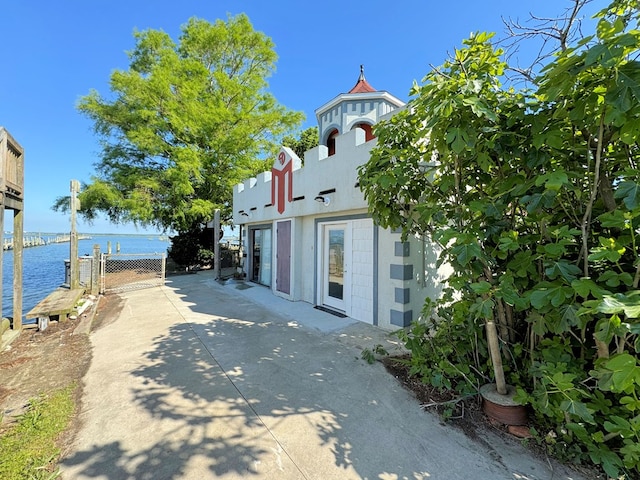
{"x":198,"y":380}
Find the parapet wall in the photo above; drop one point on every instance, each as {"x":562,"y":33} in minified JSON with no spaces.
{"x":335,"y":174}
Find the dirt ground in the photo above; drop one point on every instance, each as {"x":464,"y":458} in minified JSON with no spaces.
{"x":467,"y":414}
{"x":41,"y":362}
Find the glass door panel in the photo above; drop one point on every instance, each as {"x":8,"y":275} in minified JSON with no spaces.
{"x":334,"y":266}
{"x":261,"y":256}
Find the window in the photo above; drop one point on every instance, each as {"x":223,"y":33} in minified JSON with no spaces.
{"x":367,"y":130}
{"x":331,"y":142}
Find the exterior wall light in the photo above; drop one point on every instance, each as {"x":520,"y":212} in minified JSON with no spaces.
{"x":325,"y":200}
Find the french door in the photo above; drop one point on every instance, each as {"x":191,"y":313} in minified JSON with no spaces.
{"x":283,"y":257}
{"x":336,"y":265}
{"x":261,"y":256}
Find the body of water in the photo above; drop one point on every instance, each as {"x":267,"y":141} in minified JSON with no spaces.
{"x":43,"y":267}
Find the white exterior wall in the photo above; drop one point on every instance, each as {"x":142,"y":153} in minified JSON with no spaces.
{"x":362,"y":270}
{"x":308,"y":260}
{"x":411,"y":274}
{"x":320,"y":173}
{"x":387,"y":285}
{"x":389,"y":278}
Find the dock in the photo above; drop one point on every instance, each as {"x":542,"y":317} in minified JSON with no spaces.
{"x":37,"y":240}
{"x":61,"y":302}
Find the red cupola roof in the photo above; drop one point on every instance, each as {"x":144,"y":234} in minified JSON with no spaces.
{"x":362,"y":86}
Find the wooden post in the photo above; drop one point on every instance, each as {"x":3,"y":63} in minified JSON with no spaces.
{"x":496,"y":358}
{"x":95,"y":269}
{"x":216,"y":244}
{"x":12,"y":197}
{"x":18,"y":227}
{"x":73,"y":240}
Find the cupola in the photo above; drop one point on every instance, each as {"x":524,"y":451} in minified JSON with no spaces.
{"x":360,"y":107}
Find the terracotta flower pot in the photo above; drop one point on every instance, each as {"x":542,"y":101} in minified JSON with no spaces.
{"x":502,"y":408}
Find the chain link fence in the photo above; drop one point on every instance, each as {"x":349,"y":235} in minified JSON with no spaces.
{"x":122,"y":272}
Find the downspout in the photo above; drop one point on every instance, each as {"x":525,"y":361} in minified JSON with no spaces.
{"x":240,"y":252}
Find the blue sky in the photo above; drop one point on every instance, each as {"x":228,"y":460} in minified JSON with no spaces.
{"x":56,"y":52}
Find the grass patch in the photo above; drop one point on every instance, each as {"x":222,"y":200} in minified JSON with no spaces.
{"x":28,"y":449}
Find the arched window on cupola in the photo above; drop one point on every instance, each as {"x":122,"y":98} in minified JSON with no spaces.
{"x":368,"y":131}
{"x":331,"y":141}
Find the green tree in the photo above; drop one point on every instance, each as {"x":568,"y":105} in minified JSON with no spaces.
{"x":534,"y":199}
{"x":307,"y":140}
{"x":185,"y":123}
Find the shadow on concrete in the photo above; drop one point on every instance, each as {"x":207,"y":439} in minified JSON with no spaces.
{"x":237,"y":391}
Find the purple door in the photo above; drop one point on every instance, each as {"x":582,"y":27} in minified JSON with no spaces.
{"x":283,"y":257}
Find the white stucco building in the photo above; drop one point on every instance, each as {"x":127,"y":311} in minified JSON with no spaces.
{"x":307,"y":234}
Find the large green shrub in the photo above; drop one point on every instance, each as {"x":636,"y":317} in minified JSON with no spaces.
{"x":534,"y":197}
{"x":196,"y":249}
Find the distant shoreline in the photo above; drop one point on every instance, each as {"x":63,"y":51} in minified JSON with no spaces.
{"x":85,"y":234}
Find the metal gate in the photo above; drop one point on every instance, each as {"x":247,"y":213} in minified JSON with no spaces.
{"x":123,"y":272}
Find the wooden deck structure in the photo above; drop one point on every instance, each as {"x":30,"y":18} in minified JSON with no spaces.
{"x":12,"y":198}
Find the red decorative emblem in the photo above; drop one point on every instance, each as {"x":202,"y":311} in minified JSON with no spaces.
{"x":282,"y":169}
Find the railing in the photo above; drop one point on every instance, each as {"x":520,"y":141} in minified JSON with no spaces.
{"x":122,"y":272}
{"x":12,"y":158}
